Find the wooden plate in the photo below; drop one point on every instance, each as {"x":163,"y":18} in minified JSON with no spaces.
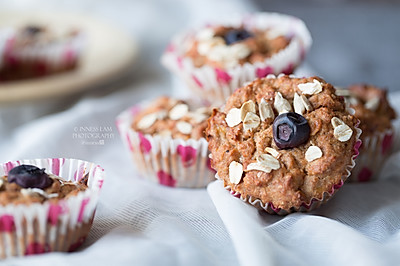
{"x":107,"y":54}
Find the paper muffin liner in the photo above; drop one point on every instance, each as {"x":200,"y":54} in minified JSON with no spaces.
{"x":314,"y":202}
{"x":62,"y":226}
{"x":375,"y":149}
{"x":5,"y":35}
{"x":165,"y":160}
{"x":214,"y":85}
{"x":39,"y":60}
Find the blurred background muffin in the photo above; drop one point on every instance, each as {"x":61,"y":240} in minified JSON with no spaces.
{"x":166,"y":140}
{"x":35,"y":50}
{"x":215,"y":60}
{"x":376,"y":116}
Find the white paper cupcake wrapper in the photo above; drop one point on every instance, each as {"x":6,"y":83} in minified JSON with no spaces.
{"x":49,"y":57}
{"x":374,"y":151}
{"x":163,"y":160}
{"x":5,"y":35}
{"x":39,"y":228}
{"x":305,"y":207}
{"x":215,"y":85}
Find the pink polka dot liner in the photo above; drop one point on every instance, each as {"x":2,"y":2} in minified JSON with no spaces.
{"x":164,"y":160}
{"x":374,"y":150}
{"x":214,"y":85}
{"x":39,"y":228}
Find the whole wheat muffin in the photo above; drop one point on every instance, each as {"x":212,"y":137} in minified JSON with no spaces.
{"x":167,"y":142}
{"x":287,"y":142}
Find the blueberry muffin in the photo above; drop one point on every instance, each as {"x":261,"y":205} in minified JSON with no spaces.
{"x":283,"y":144}
{"x":47,"y":204}
{"x":166,"y":140}
{"x":376,"y":115}
{"x":35,"y":51}
{"x":219,"y":58}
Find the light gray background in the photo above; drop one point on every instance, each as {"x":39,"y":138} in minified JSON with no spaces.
{"x":354,"y":41}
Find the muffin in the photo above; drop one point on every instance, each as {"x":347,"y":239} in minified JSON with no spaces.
{"x":283,"y":144}
{"x":47,"y":205}
{"x":376,"y":115}
{"x":166,"y":140}
{"x":215,"y":60}
{"x":35,"y":50}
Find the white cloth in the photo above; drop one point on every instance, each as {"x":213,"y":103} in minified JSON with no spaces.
{"x":139,"y":223}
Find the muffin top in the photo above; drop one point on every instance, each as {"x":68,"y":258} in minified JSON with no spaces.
{"x":26,"y":184}
{"x":284,"y":140}
{"x":371,"y":105}
{"x":225,"y":47}
{"x":173,"y":118}
{"x":41,"y":35}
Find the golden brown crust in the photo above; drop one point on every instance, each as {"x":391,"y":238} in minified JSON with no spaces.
{"x":59,"y":189}
{"x":297,"y":181}
{"x":372,"y":120}
{"x":261,"y":47}
{"x":168,"y":127}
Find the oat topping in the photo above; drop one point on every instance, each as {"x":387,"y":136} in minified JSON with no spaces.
{"x":32,"y":191}
{"x":265,"y":163}
{"x":248,"y":106}
{"x":313,"y":153}
{"x":229,"y":55}
{"x":342,"y":92}
{"x":235,"y":172}
{"x":184,"y":127}
{"x":265,"y":110}
{"x":269,"y":161}
{"x":306,"y":103}
{"x":233,"y":117}
{"x":341,"y":131}
{"x":178,"y":111}
{"x":272,"y":151}
{"x":258,"y":167}
{"x":281,"y":104}
{"x":205,"y":34}
{"x":310,"y":88}
{"x":274,"y":33}
{"x":197,"y":117}
{"x":298,"y":104}
{"x":372,"y":104}
{"x":251,"y":121}
{"x":147,"y":121}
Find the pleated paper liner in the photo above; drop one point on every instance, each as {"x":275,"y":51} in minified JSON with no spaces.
{"x":306,"y":206}
{"x":214,"y":85}
{"x":62,"y":226}
{"x":164,"y":160}
{"x":375,"y":149}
